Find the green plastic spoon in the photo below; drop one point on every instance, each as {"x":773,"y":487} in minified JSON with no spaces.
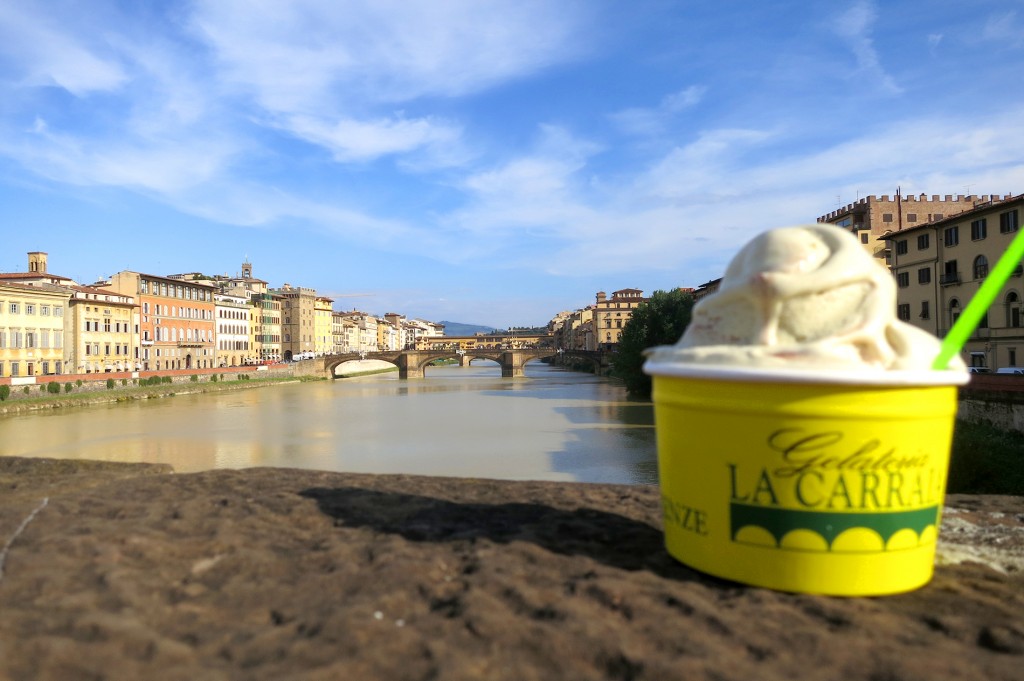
{"x":968,"y":321}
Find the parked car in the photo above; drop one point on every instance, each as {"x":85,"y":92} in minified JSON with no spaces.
{"x":1011,"y":370}
{"x":979,"y":370}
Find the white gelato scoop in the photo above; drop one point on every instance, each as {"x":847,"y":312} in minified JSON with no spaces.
{"x":803,"y":297}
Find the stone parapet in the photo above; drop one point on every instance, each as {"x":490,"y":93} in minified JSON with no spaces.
{"x":114,"y":571}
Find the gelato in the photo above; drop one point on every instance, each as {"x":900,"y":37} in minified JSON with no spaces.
{"x":803,"y":297}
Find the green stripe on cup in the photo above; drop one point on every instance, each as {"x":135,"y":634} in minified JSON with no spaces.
{"x":780,"y":521}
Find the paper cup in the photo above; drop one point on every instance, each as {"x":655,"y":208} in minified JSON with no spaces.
{"x":811,"y":482}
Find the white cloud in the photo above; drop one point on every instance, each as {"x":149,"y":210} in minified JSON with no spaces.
{"x":352,"y":140}
{"x":653,"y":121}
{"x":1004,"y":30}
{"x":48,"y":56}
{"x":854,"y":26}
{"x":315,"y":53}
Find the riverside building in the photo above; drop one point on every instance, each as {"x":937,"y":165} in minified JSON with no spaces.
{"x":176,"y":320}
{"x":940,"y":265}
{"x":871,"y":217}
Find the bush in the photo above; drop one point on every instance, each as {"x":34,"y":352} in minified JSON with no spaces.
{"x":25,"y":390}
{"x":53,"y":387}
{"x":167,"y":379}
{"x":660,"y":320}
{"x":79,"y":383}
{"x":194,"y":378}
{"x":42,"y":387}
{"x":68,"y":387}
{"x":110,"y":384}
{"x":986,"y":460}
{"x":213,"y":378}
{"x":124,"y":381}
{"x":5,"y":392}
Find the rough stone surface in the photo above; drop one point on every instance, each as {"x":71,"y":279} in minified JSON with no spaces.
{"x":130,"y":572}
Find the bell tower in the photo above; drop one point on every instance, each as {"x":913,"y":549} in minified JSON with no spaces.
{"x":37,"y":262}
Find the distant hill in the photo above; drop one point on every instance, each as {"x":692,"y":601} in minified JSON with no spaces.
{"x":457,"y":329}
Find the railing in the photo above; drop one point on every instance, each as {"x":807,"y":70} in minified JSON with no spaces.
{"x":949,"y":278}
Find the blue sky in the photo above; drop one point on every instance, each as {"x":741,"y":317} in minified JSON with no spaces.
{"x":481,"y":161}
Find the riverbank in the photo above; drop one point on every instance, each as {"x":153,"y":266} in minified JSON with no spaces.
{"x":124,"y":390}
{"x":114,"y":571}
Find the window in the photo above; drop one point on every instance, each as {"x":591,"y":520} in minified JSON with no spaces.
{"x":14,"y":308}
{"x":911,"y":217}
{"x":864,"y":237}
{"x":901,"y":247}
{"x":903,"y":311}
{"x":925,"y":314}
{"x":980,"y":267}
{"x":978,"y":229}
{"x":922,"y":242}
{"x":886,"y":217}
{"x":58,"y":311}
{"x":1008,"y":221}
{"x":44,"y":310}
{"x":30,"y":308}
{"x":954,"y":311}
{"x":924,"y":275}
{"x":1013,"y":310}
{"x":903,"y":279}
{"x":951,"y":237}
{"x":950,"y":273}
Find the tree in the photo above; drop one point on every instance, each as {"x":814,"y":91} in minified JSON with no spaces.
{"x":660,"y":320}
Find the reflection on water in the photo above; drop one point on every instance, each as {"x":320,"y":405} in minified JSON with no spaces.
{"x":458,"y":421}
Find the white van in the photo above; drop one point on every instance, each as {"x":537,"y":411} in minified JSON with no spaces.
{"x":1011,"y":370}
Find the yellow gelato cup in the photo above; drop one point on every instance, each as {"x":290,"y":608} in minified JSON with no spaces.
{"x":815,"y":482}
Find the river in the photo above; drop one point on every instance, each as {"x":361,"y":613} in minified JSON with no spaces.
{"x":458,"y":421}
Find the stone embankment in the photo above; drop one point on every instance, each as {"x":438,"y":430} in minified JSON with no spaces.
{"x":117,"y":571}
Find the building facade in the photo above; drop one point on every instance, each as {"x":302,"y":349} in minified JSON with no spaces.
{"x":177,"y":322}
{"x":323,"y":326}
{"x":939,"y":266}
{"x":871,"y":217}
{"x":100,"y":331}
{"x":611,"y":315}
{"x":298,"y":320}
{"x":234,"y":338}
{"x":32,"y":329}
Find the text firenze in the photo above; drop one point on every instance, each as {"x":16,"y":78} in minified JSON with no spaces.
{"x":827,"y":471}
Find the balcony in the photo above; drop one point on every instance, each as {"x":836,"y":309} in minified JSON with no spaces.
{"x":1017,"y":272}
{"x":191,"y":344}
{"x":146,"y":342}
{"x":949,"y":278}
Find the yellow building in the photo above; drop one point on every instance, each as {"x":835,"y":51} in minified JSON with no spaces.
{"x":32,"y":329}
{"x":611,"y":314}
{"x":939,"y":267}
{"x":101,"y":334}
{"x":323,"y":330}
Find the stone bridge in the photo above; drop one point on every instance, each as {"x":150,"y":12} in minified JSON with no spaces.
{"x":411,"y":363}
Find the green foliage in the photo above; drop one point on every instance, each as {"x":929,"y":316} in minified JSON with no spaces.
{"x":5,"y":392}
{"x":25,"y":390}
{"x":79,"y":383}
{"x":213,"y":378}
{"x":660,"y":320}
{"x":124,"y":381}
{"x":68,"y":387}
{"x":986,"y":460}
{"x":167,"y":379}
{"x":152,"y":380}
{"x":42,"y":387}
{"x":194,"y":378}
{"x":53,"y":387}
{"x":110,"y":384}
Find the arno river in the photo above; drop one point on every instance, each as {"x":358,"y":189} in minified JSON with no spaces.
{"x":458,"y":421}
